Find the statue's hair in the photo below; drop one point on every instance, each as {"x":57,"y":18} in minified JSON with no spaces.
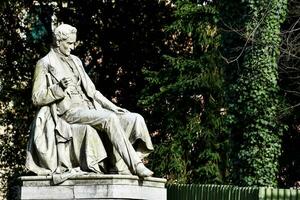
{"x":63,"y":31}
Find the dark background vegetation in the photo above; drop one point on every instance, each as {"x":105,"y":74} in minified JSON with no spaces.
{"x":184,"y":65}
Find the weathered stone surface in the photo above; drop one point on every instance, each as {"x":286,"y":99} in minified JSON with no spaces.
{"x":94,"y":186}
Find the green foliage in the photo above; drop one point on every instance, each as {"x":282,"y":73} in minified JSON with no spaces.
{"x":17,"y":61}
{"x":184,"y":99}
{"x":255,"y":98}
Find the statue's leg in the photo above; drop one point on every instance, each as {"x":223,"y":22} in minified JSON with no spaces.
{"x":64,"y":162}
{"x":136,"y":131}
{"x":110,"y":123}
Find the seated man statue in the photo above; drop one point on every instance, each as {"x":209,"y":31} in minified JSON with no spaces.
{"x":74,"y":120}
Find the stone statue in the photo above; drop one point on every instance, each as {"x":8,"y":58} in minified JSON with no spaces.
{"x":76,"y":128}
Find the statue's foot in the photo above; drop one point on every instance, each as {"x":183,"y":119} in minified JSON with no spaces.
{"x":143,"y":171}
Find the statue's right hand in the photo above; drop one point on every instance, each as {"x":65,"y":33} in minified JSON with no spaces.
{"x":64,"y":82}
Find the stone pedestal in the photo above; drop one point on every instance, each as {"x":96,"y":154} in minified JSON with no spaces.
{"x":108,"y":187}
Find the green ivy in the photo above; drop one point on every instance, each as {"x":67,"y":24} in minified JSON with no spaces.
{"x":255,"y":103}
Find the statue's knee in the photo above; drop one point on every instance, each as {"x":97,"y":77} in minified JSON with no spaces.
{"x":133,"y":117}
{"x":139,"y":117}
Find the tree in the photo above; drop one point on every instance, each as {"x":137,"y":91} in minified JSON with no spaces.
{"x":254,"y":94}
{"x":184,"y":99}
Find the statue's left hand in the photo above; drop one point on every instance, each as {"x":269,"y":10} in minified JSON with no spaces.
{"x":120,"y":110}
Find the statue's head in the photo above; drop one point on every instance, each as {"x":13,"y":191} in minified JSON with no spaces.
{"x":65,"y":38}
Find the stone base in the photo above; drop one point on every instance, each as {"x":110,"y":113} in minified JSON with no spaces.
{"x":108,"y":187}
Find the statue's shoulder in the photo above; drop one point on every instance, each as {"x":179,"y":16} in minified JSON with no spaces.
{"x":44,"y":61}
{"x":76,"y":59}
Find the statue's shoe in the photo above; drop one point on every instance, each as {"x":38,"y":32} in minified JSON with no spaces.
{"x":143,"y":171}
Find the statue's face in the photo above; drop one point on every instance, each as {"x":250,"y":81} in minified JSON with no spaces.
{"x":66,"y":46}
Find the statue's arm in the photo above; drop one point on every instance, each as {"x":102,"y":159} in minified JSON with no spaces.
{"x":42,"y":92}
{"x":101,"y":99}
{"x":104,"y":102}
{"x":97,"y":96}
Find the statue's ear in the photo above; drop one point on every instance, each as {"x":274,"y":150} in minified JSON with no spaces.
{"x":57,"y":43}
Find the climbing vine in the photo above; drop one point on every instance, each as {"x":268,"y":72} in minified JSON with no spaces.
{"x":255,"y":103}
